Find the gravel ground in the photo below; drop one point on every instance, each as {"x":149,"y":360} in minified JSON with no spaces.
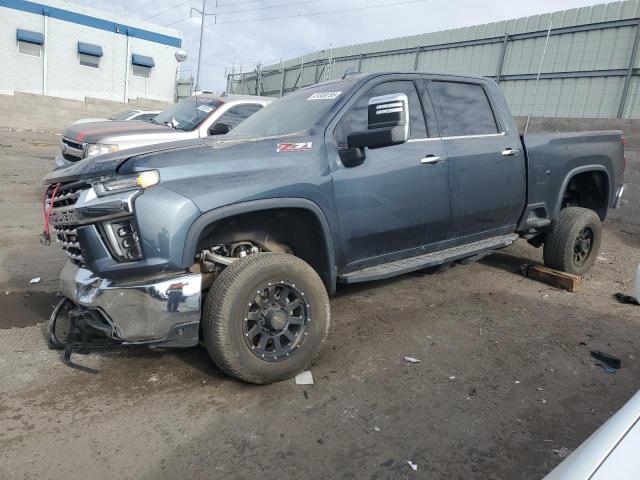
{"x":505,"y":374}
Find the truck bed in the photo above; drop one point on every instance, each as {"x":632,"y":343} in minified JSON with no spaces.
{"x":553,"y":159}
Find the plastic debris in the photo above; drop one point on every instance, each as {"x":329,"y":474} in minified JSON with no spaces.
{"x":413,"y":466}
{"x":606,"y":368}
{"x":35,"y":280}
{"x":628,"y":299}
{"x":304,"y":378}
{"x":411,"y":360}
{"x":613,"y":362}
{"x":562,"y":452}
{"x":377,"y":429}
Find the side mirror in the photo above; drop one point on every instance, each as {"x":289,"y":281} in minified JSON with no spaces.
{"x":388,"y":123}
{"x":219,"y":128}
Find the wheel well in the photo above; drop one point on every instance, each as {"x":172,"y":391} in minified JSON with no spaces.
{"x":296,"y":228}
{"x":588,"y":190}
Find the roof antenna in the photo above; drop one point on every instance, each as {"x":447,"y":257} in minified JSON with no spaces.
{"x":535,"y":90}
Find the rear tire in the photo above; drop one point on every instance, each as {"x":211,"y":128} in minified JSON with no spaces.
{"x":574,"y":241}
{"x":272,"y":296}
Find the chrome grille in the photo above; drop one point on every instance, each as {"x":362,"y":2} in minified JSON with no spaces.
{"x":72,"y":150}
{"x":63,"y":220}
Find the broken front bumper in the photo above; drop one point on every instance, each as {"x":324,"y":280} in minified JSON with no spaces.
{"x":162,"y":312}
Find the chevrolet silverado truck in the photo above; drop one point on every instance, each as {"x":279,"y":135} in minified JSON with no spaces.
{"x":239,"y":241}
{"x":194,"y":117}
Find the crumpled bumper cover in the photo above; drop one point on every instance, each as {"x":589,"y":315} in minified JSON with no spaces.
{"x":164,"y":311}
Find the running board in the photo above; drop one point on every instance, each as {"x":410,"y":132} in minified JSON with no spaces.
{"x":391,"y":269}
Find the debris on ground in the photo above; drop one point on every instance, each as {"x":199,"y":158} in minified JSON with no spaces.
{"x":562,"y":452}
{"x":606,"y":368}
{"x":413,"y":466}
{"x":411,"y":360}
{"x":35,"y":280}
{"x":613,"y":362}
{"x":304,"y":378}
{"x":628,"y":299}
{"x":377,"y":429}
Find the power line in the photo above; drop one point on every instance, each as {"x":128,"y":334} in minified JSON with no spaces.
{"x":143,"y":6}
{"x":178,"y":21}
{"x":264,"y":19}
{"x":168,"y":9}
{"x":240,"y":3}
{"x":267,"y":7}
{"x":241,"y":11}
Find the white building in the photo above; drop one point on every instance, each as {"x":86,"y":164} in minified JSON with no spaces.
{"x":59,"y":49}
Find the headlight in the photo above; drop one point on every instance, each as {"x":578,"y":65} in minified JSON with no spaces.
{"x":140,"y":180}
{"x":94,"y":149}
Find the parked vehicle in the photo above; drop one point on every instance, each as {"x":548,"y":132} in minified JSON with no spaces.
{"x":194,"y":117}
{"x":611,"y":452}
{"x":127,"y":115}
{"x":241,"y":240}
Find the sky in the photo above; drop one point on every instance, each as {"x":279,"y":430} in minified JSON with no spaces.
{"x":247,"y":36}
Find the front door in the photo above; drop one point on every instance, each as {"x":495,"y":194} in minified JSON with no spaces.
{"x":486,"y":162}
{"x":397,"y":200}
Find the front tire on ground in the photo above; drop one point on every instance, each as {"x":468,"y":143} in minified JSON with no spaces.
{"x":266,"y":317}
{"x":574,"y":241}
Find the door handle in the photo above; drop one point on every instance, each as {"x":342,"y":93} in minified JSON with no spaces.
{"x":431,"y":160}
{"x":510,"y":152}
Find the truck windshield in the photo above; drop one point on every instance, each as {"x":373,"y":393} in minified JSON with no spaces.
{"x":293,"y":113}
{"x":187,"y":114}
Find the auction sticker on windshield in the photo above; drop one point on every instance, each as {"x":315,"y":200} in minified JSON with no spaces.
{"x":324,"y":96}
{"x":294,"y":147}
{"x":205,"y":108}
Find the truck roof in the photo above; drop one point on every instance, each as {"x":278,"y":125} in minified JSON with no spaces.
{"x":367,"y":76}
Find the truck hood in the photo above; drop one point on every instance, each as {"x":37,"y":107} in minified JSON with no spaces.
{"x":93,"y":132}
{"x":169,"y":155}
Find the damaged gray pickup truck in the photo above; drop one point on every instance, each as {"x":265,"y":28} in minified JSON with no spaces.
{"x":239,"y":240}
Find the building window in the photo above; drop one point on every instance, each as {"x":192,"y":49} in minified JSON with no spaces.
{"x":141,"y":71}
{"x":29,"y":43}
{"x":89,"y":60}
{"x":27,"y":48}
{"x":142,"y":65}
{"x":89,"y":55}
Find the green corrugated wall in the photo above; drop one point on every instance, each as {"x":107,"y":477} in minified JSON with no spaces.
{"x":590,"y":48}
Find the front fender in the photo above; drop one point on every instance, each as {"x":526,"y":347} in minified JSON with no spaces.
{"x":203,"y":221}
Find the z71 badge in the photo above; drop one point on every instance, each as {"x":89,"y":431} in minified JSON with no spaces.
{"x":294,"y":147}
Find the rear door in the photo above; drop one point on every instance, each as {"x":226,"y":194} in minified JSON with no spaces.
{"x":486,"y":163}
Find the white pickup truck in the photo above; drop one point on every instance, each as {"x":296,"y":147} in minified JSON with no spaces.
{"x":194,"y":117}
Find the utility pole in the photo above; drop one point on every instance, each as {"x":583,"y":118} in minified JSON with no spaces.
{"x":203,"y":16}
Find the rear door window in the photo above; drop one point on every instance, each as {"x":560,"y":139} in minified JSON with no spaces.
{"x":462,"y":109}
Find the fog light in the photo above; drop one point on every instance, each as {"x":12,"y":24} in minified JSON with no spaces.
{"x":125,"y":245}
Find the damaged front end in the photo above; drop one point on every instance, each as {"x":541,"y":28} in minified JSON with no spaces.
{"x":163,"y":312}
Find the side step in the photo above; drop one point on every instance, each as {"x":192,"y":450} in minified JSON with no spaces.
{"x":391,"y":269}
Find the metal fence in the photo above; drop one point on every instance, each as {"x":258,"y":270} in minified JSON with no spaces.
{"x":591,"y":67}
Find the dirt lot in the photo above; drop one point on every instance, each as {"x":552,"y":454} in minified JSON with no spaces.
{"x":505,"y":377}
